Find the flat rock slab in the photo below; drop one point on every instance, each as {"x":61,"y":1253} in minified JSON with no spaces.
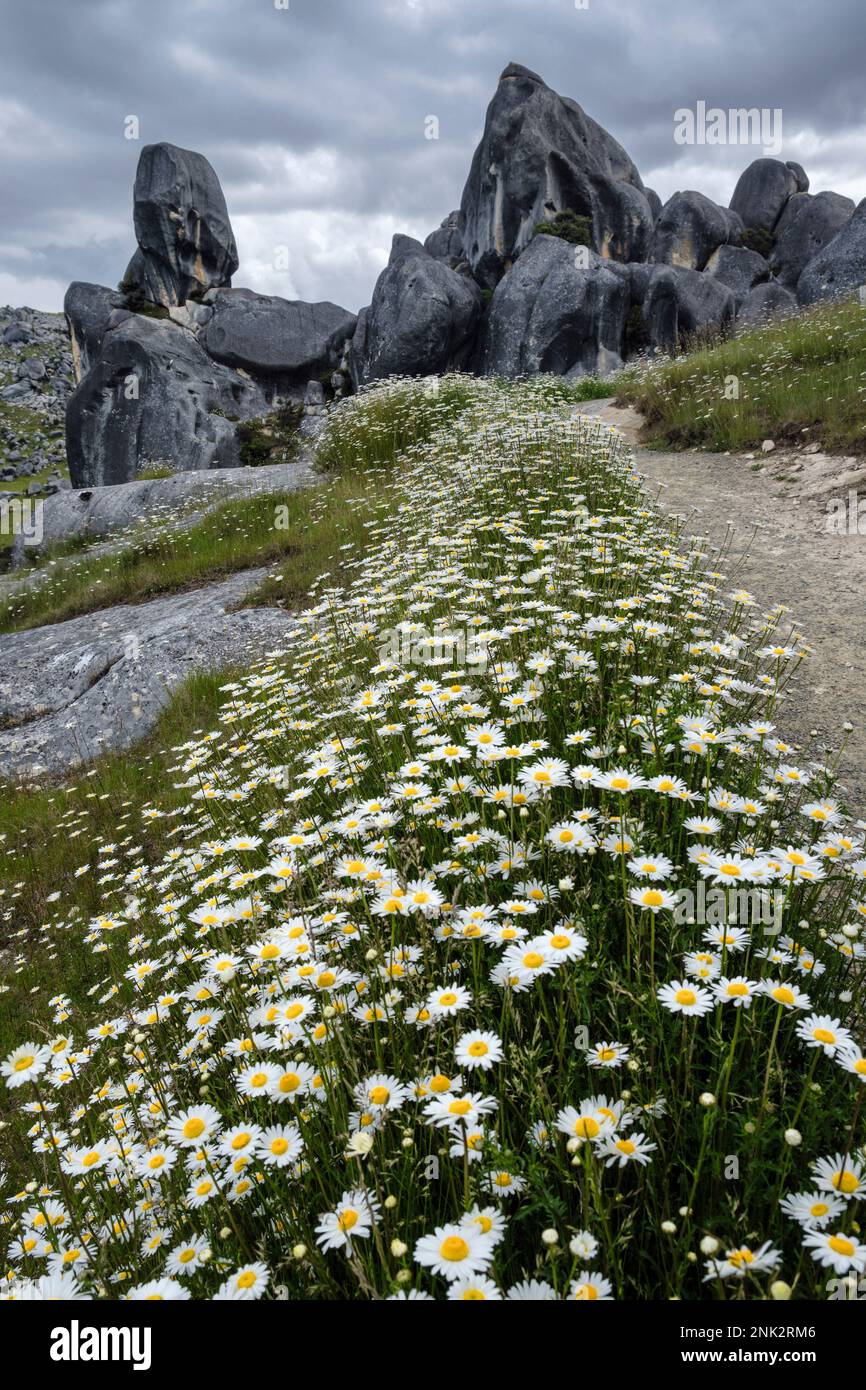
{"x":103,"y":511}
{"x":74,"y":690}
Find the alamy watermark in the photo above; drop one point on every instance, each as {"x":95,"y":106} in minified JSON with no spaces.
{"x":410,"y":645}
{"x":737,"y":126}
{"x":846,"y":516}
{"x":735,"y":907}
{"x":22,"y":516}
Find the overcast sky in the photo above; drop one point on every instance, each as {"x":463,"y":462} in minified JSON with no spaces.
{"x":314,"y":115}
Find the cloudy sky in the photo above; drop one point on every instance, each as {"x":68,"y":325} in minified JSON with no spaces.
{"x":315,"y":114}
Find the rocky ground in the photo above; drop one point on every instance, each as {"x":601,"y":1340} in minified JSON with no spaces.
{"x":73,"y":690}
{"x":776,"y":514}
{"x":35,"y":384}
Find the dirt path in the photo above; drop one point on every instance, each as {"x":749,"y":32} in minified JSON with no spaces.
{"x":773,"y":508}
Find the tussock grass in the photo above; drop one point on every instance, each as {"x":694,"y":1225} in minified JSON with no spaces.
{"x":800,"y":379}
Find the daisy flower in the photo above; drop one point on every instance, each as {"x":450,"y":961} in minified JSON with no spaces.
{"x":248,"y":1282}
{"x":836,"y":1250}
{"x":812,"y":1208}
{"x":607,"y":1054}
{"x":632,"y":1148}
{"x":478,"y":1049}
{"x":682,"y":998}
{"x":820,"y":1030}
{"x":840,"y":1174}
{"x":352,"y":1219}
{"x":474,"y":1289}
{"x":589,"y":1287}
{"x":455,"y":1252}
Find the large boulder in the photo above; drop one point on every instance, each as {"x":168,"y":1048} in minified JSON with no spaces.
{"x":764,"y":188}
{"x":768,"y":301}
{"x":677,"y":303}
{"x":185,"y":239}
{"x":446,"y":243}
{"x":552,"y":313}
{"x":690,"y":228}
{"x":154,"y":397}
{"x":540,"y":154}
{"x":423,"y":319}
{"x":805,"y":227}
{"x":88,"y":309}
{"x":281,"y":342}
{"x":738,"y":268}
{"x":840,"y":268}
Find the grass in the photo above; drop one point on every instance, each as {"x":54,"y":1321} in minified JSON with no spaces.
{"x":304,"y":529}
{"x":796,"y":380}
{"x":423,"y":975}
{"x":104,"y":802}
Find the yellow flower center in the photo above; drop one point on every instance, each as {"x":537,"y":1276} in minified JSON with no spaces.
{"x":453,"y":1249}
{"x":845,"y":1181}
{"x":585,"y":1127}
{"x":478,"y":1049}
{"x":841,"y":1246}
{"x":686,"y":997}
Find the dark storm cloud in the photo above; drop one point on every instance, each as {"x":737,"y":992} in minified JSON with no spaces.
{"x":314,"y":115}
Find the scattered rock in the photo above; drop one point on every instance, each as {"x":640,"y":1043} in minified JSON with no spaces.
{"x":763,"y":189}
{"x":805,"y":227}
{"x":279,"y":341}
{"x":840,"y":267}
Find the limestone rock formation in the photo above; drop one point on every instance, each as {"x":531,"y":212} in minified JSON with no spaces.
{"x":541,"y":154}
{"x":422,"y":321}
{"x":185,"y":240}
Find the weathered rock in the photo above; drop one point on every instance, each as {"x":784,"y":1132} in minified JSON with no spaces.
{"x":96,"y":513}
{"x":548,"y":314}
{"x":690,"y":228}
{"x":73,"y":690}
{"x":446,"y":243}
{"x":281,"y":342}
{"x":738,"y":268}
{"x":541,"y":154}
{"x":679,"y":302}
{"x":185,"y":238}
{"x":154,"y":397}
{"x":807,"y":224}
{"x":88,"y":308}
{"x":770,"y":300}
{"x":15,"y":332}
{"x":840,"y":268}
{"x":763,"y":189}
{"x":422,"y":321}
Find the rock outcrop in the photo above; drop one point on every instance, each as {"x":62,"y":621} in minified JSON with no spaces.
{"x":541,"y":154}
{"x":805,"y":227}
{"x":690,"y":228}
{"x":423,"y":318}
{"x":550,"y":314}
{"x":185,"y":240}
{"x":558,"y":260}
{"x":154,"y":398}
{"x":763,"y":189}
{"x":840,"y":267}
{"x":279,"y":341}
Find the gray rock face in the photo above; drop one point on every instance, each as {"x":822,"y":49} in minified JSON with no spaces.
{"x":738,"y":268}
{"x":690,"y":228}
{"x":446,"y":243}
{"x":423,"y":319}
{"x":73,"y":690}
{"x":154,"y":396}
{"x":100,"y":512}
{"x":807,"y":224}
{"x":541,"y":154}
{"x":840,"y":268}
{"x":88,"y":309}
{"x":678,"y":302}
{"x":281,"y":340}
{"x":549,"y":315}
{"x":770,"y":300}
{"x":763,"y":189}
{"x":185,"y":238}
